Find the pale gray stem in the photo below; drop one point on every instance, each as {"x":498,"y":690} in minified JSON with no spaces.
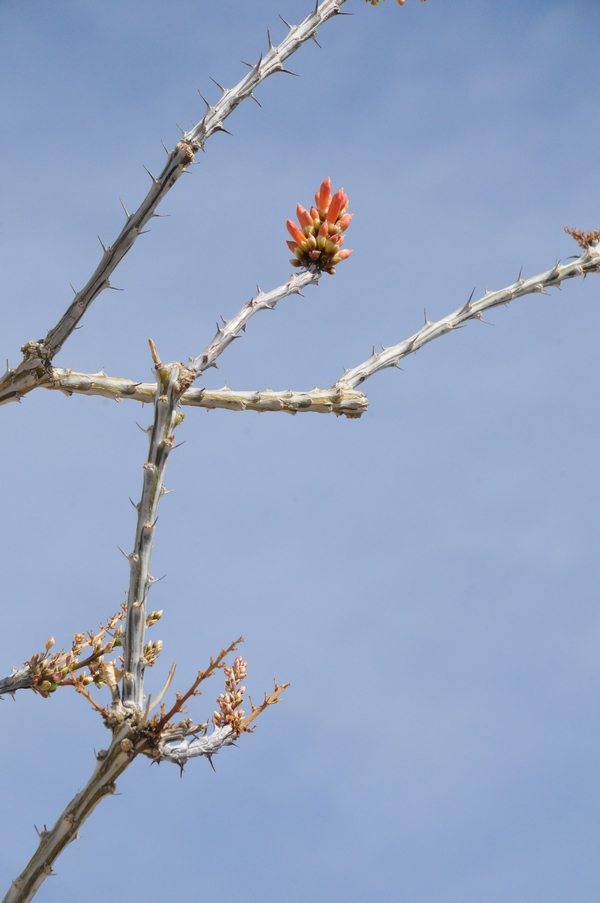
{"x":19,"y":679}
{"x":110,"y":765}
{"x":268,"y":64}
{"x":232,"y":328}
{"x":37,"y":355}
{"x":588,"y":262}
{"x":166,"y":419}
{"x":347,"y":402}
{"x":181,"y":752}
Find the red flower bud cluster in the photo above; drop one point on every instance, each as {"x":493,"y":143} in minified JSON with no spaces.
{"x":317,"y":245}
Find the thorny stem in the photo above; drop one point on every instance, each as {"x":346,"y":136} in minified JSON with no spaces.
{"x":232,"y":328}
{"x":588,"y":262}
{"x":347,"y":402}
{"x":172,"y":380}
{"x":110,"y":765}
{"x":37,"y":356}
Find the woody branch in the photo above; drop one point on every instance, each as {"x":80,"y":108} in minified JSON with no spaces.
{"x":34,"y":368}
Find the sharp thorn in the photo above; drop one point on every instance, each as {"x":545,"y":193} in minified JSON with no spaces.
{"x":269,"y":38}
{"x":102,"y":243}
{"x":215,"y":82}
{"x":127,"y":213}
{"x":286,"y":23}
{"x":288,"y":72}
{"x":314,"y":37}
{"x":149,"y":173}
{"x":74,"y":292}
{"x":114,"y":287}
{"x":254,"y":99}
{"x":167,"y":151}
{"x":221,"y":128}
{"x":249,"y":65}
{"x":208,"y":106}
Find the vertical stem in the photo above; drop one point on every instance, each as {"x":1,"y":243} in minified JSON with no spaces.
{"x":168,"y":391}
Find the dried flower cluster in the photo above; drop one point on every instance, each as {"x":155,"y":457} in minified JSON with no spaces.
{"x":229,"y":702}
{"x":584,"y":239}
{"x":317,"y":245}
{"x":48,"y":672}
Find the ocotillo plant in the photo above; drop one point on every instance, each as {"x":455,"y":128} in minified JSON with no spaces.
{"x":148,"y":719}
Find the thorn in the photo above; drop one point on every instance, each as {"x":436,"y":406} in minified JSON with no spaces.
{"x":208,"y":106}
{"x":269,"y":37}
{"x":427,"y":322}
{"x":123,"y":553}
{"x":180,"y":129}
{"x":133,"y":503}
{"x":215,"y":82}
{"x":287,"y":71}
{"x":154,"y":580}
{"x":314,"y":37}
{"x":249,"y":65}
{"x":519,"y":279}
{"x":127,"y":213}
{"x":113,"y":287}
{"x":286,"y":23}
{"x":142,"y":231}
{"x":74,"y":292}
{"x":467,"y":306}
{"x":221,"y":128}
{"x":167,"y":151}
{"x":150,"y":174}
{"x":251,"y":95}
{"x":209,"y":757}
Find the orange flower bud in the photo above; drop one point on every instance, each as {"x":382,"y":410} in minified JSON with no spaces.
{"x":323,"y":195}
{"x":294,"y":230}
{"x":304,"y":217}
{"x":344,"y":222}
{"x":338,"y":202}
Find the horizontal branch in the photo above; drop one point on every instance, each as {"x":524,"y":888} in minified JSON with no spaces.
{"x":347,"y":402}
{"x":588,"y":262}
{"x":37,"y":355}
{"x":181,"y":752}
{"x":18,"y":679}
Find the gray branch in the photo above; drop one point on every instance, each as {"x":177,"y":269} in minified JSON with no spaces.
{"x":231,"y":328}
{"x":38,"y":355}
{"x":110,"y":765}
{"x":172,"y":379}
{"x":588,"y":262}
{"x":347,"y":402}
{"x":182,"y":751}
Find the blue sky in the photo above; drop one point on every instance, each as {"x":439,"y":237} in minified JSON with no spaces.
{"x":425,"y":577}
